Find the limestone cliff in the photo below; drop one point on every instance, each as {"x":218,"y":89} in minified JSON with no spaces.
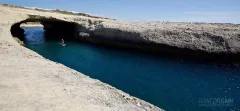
{"x":201,"y":40}
{"x":210,"y":40}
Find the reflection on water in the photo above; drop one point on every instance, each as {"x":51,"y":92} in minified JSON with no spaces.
{"x":171,"y":84}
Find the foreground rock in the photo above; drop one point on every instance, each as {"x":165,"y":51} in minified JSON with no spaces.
{"x":28,"y":82}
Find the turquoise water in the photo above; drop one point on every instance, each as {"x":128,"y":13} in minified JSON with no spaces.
{"x":171,"y":84}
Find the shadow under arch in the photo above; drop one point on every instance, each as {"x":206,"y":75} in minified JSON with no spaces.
{"x":54,"y":28}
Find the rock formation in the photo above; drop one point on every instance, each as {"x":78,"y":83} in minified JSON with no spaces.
{"x":201,"y":40}
{"x":29,"y":82}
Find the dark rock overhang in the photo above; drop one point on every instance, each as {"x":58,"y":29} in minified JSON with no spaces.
{"x":54,"y":28}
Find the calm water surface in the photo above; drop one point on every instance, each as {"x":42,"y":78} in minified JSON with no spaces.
{"x":171,"y":84}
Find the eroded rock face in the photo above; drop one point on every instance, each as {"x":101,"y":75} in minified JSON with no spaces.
{"x":208,"y":40}
{"x":16,"y":31}
{"x":82,"y":34}
{"x":211,"y":38}
{"x":192,"y":39}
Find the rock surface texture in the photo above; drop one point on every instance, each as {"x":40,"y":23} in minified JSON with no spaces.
{"x":201,"y":40}
{"x":29,"y":82}
{"x":210,"y":40}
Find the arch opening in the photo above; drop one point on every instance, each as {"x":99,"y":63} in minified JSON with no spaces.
{"x":53,"y":28}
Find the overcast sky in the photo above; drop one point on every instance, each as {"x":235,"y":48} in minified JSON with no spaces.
{"x":224,"y":11}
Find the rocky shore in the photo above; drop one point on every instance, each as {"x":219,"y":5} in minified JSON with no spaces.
{"x":213,"y":41}
{"x":201,"y":40}
{"x":29,"y":82}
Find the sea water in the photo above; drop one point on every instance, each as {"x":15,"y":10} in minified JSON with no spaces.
{"x":173,"y":84}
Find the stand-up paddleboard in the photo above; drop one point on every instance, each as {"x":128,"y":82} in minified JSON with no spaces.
{"x":63,"y":44}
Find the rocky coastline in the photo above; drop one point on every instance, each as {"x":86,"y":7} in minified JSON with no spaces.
{"x":213,"y":41}
{"x":30,"y":82}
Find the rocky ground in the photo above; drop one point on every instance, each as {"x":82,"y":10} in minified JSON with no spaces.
{"x":29,"y":82}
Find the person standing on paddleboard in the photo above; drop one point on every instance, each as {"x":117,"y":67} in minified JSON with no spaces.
{"x":63,"y":42}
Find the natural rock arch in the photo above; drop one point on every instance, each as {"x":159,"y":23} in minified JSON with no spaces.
{"x":54,"y":28}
